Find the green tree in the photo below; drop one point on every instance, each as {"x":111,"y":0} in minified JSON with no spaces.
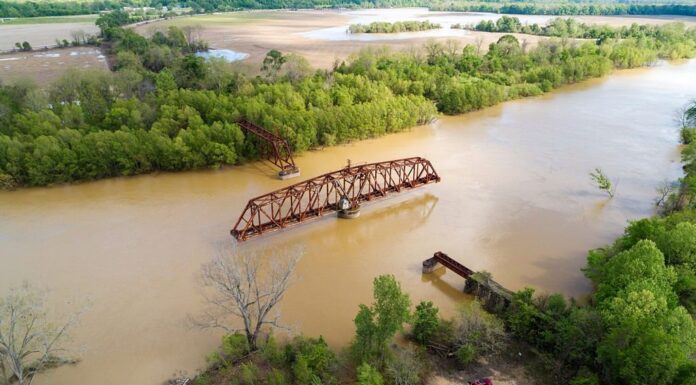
{"x":376,"y":325}
{"x":425,"y":323}
{"x":273,"y":62}
{"x":648,"y":340}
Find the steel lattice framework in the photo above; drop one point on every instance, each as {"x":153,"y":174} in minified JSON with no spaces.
{"x":276,"y":149}
{"x":319,"y":196}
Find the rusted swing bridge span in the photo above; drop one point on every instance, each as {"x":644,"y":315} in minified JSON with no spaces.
{"x":339,"y":191}
{"x":272,"y":147}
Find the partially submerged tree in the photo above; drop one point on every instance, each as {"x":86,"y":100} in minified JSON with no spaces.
{"x":31,"y":339}
{"x":686,"y":117}
{"x":665,"y":191}
{"x":603,"y":182}
{"x":246,"y":290}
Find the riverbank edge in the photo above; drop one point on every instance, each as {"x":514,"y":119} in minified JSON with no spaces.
{"x":319,"y":148}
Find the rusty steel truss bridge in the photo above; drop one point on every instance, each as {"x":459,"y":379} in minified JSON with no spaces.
{"x":339,"y":191}
{"x":272,"y":147}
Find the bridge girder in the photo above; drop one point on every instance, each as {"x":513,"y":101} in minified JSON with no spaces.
{"x":320,"y":196}
{"x":274,"y":148}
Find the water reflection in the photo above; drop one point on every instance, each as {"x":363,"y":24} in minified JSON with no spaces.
{"x":448,"y":288}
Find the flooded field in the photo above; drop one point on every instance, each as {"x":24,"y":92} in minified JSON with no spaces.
{"x":45,"y":66}
{"x":515,"y":199}
{"x":445,"y":19}
{"x":320,"y":36}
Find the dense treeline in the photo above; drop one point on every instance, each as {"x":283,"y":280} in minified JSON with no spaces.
{"x":57,"y":8}
{"x":567,"y":8}
{"x":638,"y":327}
{"x":664,"y":36}
{"x":166,"y":109}
{"x":396,"y":27}
{"x":63,"y":8}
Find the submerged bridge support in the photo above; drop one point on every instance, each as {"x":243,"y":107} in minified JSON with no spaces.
{"x":494,"y":297}
{"x":274,"y":148}
{"x":339,"y":191}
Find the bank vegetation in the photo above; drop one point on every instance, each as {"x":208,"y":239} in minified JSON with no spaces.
{"x":395,"y":27}
{"x":165,"y":109}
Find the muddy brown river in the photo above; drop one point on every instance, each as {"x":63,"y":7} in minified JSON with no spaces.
{"x":515,"y":199}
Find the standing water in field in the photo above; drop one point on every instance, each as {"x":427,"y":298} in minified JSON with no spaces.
{"x":226,"y":54}
{"x":444,"y":19}
{"x":515,"y":199}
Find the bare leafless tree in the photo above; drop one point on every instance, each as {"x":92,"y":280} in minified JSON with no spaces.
{"x":192,"y":33}
{"x":433,"y":49}
{"x":664,"y":191}
{"x":31,"y":340}
{"x":479,"y":43}
{"x":686,"y":115}
{"x":244,"y":288}
{"x":452,"y":48}
{"x":525,"y":45}
{"x":78,"y":37}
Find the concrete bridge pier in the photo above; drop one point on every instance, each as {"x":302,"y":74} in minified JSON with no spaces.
{"x":350,"y":213}
{"x":430,"y":265}
{"x":288,"y":173}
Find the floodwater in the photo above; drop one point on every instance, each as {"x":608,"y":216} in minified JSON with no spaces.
{"x":445,"y":19}
{"x":227,"y":54}
{"x":515,"y":199}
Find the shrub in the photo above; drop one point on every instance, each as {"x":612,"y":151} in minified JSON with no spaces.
{"x":7,"y":182}
{"x":466,"y":354}
{"x":474,"y":326}
{"x":404,"y":367}
{"x":272,"y":353}
{"x":276,"y":377}
{"x":248,"y":372}
{"x":425,"y":322}
{"x":688,"y":135}
{"x":234,"y":347}
{"x":368,"y":375}
{"x":585,"y":378}
{"x":203,"y":379}
{"x":300,"y":369}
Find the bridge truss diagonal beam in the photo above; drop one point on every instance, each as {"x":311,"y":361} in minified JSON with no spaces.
{"x":319,"y":196}
{"x":274,"y":148}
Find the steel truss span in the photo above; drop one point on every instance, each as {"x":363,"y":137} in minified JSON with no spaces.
{"x":272,"y":147}
{"x":320,"y":196}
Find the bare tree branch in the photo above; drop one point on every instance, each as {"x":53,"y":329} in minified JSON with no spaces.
{"x":30,"y":340}
{"x":247,"y":289}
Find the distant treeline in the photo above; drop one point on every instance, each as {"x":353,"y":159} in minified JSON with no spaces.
{"x":62,"y":8}
{"x":569,"y":27}
{"x":56,"y":8}
{"x":567,"y":8}
{"x":166,"y":109}
{"x":396,"y":27}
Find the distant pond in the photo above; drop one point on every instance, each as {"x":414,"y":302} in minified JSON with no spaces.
{"x":226,"y":54}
